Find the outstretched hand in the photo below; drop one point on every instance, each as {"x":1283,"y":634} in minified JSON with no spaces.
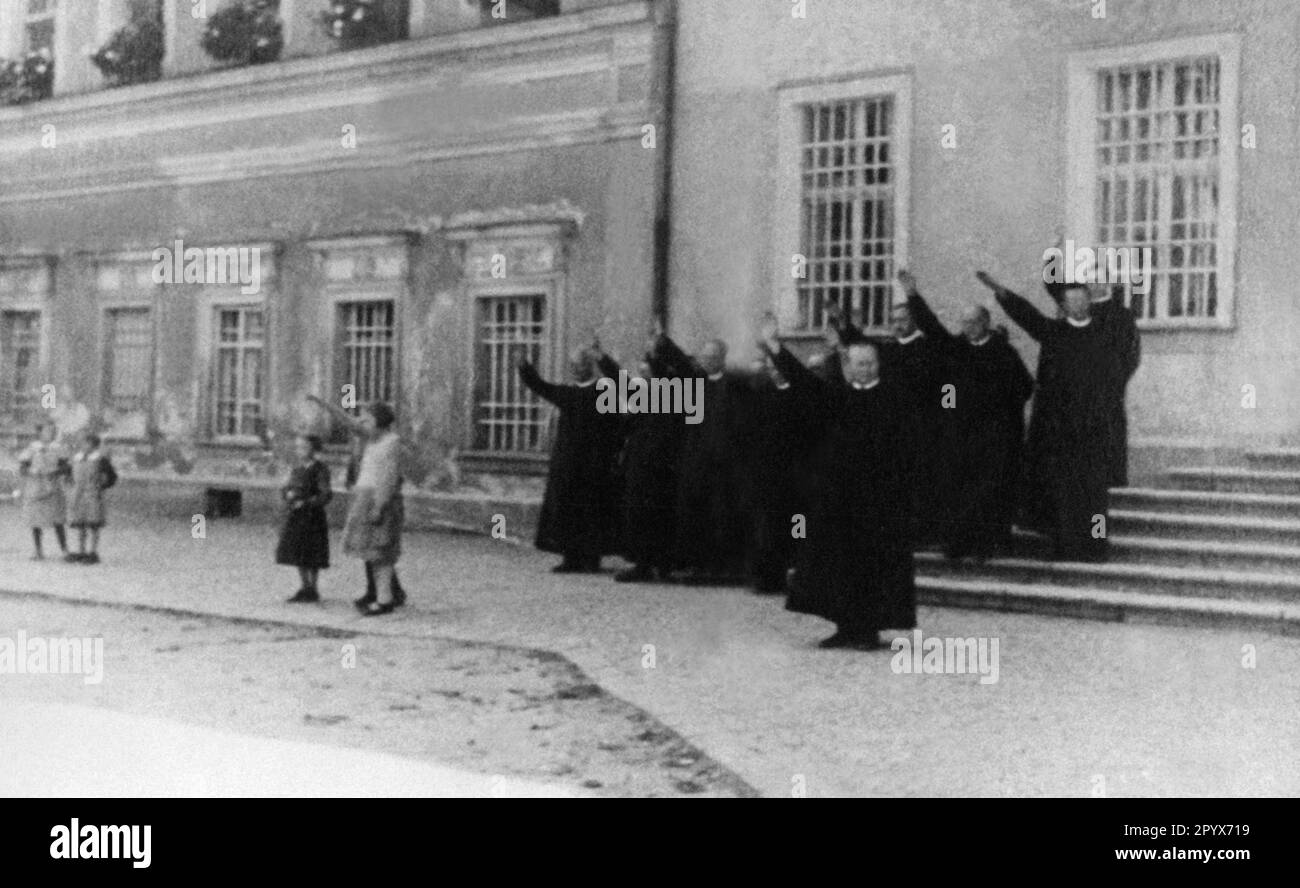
{"x":987,"y":280}
{"x":768,"y":332}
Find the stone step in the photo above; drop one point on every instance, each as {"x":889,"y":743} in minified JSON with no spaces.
{"x":1100,"y":604}
{"x":1204,"y":527}
{"x":1239,"y":556}
{"x":1121,"y":576}
{"x":1223,"y":480}
{"x":1253,"y":505}
{"x":1275,"y":458}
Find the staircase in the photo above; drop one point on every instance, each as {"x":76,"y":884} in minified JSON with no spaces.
{"x":1208,"y":547}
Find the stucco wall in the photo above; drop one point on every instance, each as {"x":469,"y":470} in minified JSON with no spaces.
{"x":997,"y":70}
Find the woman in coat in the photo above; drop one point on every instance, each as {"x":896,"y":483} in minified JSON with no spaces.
{"x":373,"y":530}
{"x":43,"y":466}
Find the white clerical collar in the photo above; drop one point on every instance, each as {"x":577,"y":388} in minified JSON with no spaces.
{"x":1073,"y":323}
{"x":1102,"y":300}
{"x":782,"y":386}
{"x":716,"y":376}
{"x":910,"y":338}
{"x":865,"y":386}
{"x":589,"y":382}
{"x":987,"y":337}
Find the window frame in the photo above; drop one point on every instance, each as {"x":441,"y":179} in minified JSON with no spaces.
{"x":124,"y":298}
{"x":479,"y":292}
{"x":1081,"y":146}
{"x":27,"y":301}
{"x":792,"y":99}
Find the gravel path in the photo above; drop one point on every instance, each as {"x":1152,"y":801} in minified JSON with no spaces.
{"x":1079,"y":708}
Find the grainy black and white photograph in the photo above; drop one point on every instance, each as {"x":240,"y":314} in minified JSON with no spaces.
{"x":649,"y":399}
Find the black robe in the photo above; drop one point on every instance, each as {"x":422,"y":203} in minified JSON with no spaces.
{"x":1126,"y":343}
{"x":649,"y":468}
{"x":855,"y":566}
{"x":710,"y":502}
{"x":1067,"y":466}
{"x":1122,"y":334}
{"x":782,"y":436}
{"x":580,"y":508}
{"x":916,"y":370}
{"x":984,"y":432}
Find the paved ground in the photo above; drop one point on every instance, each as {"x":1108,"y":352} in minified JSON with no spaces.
{"x":1078,"y":706}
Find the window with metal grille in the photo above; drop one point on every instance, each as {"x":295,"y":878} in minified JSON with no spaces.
{"x":128,"y":359}
{"x":367,"y":334}
{"x":847,"y":210}
{"x":38,"y":27}
{"x":508,"y":418}
{"x":20,"y":363}
{"x":237,"y":372}
{"x":1157,"y":161}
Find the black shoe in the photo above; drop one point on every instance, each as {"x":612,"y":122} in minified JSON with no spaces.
{"x":91,"y":558}
{"x":375,"y":609}
{"x":851,"y":640}
{"x":636,"y":574}
{"x":399,"y":597}
{"x":73,"y":558}
{"x":364,"y":601}
{"x":305,"y":596}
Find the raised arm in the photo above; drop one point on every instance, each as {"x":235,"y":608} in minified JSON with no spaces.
{"x":671,"y":355}
{"x":848,"y":332}
{"x":341,"y":416}
{"x":1019,"y":309}
{"x":926,"y":320}
{"x":559,"y":395}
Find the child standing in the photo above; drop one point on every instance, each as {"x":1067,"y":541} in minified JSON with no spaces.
{"x":43,"y":465}
{"x":92,"y":474}
{"x":304,"y":539}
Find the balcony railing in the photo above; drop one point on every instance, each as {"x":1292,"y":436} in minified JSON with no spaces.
{"x":138,"y":41}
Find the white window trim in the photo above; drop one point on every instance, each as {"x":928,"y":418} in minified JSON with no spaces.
{"x":337,"y":293}
{"x":208,"y":298}
{"x":786,"y":219}
{"x":1081,"y":164}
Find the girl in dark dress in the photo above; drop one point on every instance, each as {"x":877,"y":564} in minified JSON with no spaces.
{"x":304,"y":539}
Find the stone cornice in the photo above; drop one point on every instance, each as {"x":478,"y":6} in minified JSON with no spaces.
{"x":518,"y":53}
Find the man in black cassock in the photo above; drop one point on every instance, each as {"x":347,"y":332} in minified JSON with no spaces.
{"x":984,"y":427}
{"x":1122,"y":333}
{"x":710,"y":513}
{"x":854,"y":567}
{"x":782,"y":438}
{"x":649,"y":462}
{"x":580,"y":508}
{"x":913,"y":364}
{"x":1068,"y":463}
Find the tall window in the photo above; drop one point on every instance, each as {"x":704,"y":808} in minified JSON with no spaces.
{"x":841,"y":223}
{"x":365,"y":281}
{"x":367,"y":333}
{"x":128,"y":360}
{"x":238,"y":372}
{"x":1161,"y":135}
{"x":20,"y":364}
{"x":38,"y":25}
{"x":508,"y":418}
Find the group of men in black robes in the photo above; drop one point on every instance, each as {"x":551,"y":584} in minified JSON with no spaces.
{"x":820,"y":482}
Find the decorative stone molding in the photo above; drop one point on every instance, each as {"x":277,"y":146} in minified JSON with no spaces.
{"x":559,"y":212}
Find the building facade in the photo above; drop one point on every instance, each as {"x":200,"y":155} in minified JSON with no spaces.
{"x":417,"y":213}
{"x":822,"y":145}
